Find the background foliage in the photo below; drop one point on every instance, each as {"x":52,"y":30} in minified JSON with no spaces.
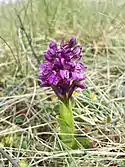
{"x":28,"y":124}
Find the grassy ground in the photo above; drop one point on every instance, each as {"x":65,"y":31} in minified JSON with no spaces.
{"x":28,"y":125}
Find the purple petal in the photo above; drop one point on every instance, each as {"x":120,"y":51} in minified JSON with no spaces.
{"x":57,"y":63}
{"x":80,"y":67}
{"x":52,"y":77}
{"x":47,"y":56}
{"x":47,"y":66}
{"x":45,"y":84}
{"x":68,"y":66}
{"x":51,"y":52}
{"x":80,"y":85}
{"x":77,"y":50}
{"x":72,"y":42}
{"x":53,"y":45}
{"x":69,"y":55}
{"x":71,"y":90}
{"x":67,"y":49}
{"x":78,"y":76}
{"x":64,"y":74}
{"x":56,"y":80}
{"x":74,"y":86}
{"x":42,"y":68}
{"x":63,"y":61}
{"x":61,"y":50}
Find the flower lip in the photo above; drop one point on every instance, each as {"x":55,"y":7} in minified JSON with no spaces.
{"x":64,"y":74}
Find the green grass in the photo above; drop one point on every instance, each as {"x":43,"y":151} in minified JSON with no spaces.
{"x":28,"y":124}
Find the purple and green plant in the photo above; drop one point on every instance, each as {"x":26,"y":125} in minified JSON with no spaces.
{"x":64,"y":72}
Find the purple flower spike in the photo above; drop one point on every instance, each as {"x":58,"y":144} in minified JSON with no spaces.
{"x":62,"y":69}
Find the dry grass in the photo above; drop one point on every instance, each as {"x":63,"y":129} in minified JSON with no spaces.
{"x":28,"y":125}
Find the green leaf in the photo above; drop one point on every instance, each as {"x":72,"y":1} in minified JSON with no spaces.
{"x":83,"y":141}
{"x":122,"y":164}
{"x":66,"y":114}
{"x":66,"y":123}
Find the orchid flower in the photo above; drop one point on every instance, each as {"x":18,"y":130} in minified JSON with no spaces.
{"x":64,"y":72}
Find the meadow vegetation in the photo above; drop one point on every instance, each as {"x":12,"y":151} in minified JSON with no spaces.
{"x":28,"y":124}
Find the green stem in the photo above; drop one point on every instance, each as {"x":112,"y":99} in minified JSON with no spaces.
{"x":66,"y":122}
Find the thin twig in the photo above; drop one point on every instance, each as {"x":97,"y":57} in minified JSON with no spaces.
{"x":13,"y":162}
{"x":9,"y":48}
{"x":29,"y":39}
